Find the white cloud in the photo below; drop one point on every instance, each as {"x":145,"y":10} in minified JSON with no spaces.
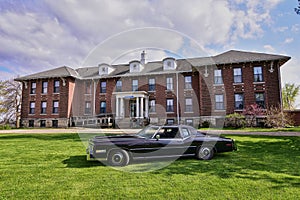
{"x":54,"y":34}
{"x":269,"y":48}
{"x":296,"y":28}
{"x":282,"y":28}
{"x":288,"y":40}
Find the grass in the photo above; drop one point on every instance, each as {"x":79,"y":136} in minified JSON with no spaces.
{"x":53,"y":166}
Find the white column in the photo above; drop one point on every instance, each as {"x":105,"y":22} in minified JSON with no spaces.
{"x":146,"y":106}
{"x":117,"y":107}
{"x":122,"y":108}
{"x":137,"y":107}
{"x":142,"y":107}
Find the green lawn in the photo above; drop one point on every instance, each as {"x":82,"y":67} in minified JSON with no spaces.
{"x":53,"y":166}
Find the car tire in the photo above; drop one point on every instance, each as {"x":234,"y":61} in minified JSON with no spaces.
{"x":118,"y":158}
{"x":205,"y":153}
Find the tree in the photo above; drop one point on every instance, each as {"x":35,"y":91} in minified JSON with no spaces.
{"x":297,"y":10}
{"x":276,"y":118}
{"x":252,"y":112}
{"x":289,"y":94}
{"x":10,"y":101}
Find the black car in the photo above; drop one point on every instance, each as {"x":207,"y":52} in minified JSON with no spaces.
{"x":157,"y":142}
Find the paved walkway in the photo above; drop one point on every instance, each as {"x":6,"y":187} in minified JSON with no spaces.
{"x":130,"y":131}
{"x":236,"y":132}
{"x":68,"y":130}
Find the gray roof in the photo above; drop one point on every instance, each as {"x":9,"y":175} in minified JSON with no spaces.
{"x":234,"y":56}
{"x":156,"y":67}
{"x":52,"y":73}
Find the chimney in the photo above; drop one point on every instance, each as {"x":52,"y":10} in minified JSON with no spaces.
{"x":143,"y":58}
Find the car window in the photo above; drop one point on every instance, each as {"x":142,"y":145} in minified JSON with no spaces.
{"x":185,"y":132}
{"x":147,"y":132}
{"x":169,"y":133}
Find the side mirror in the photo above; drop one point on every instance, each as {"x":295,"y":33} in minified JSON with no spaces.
{"x":157,"y":136}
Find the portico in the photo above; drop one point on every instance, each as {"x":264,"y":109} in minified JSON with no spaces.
{"x":131,"y":104}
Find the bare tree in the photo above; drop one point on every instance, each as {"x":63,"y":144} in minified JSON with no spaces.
{"x":297,"y":10}
{"x":10,"y":102}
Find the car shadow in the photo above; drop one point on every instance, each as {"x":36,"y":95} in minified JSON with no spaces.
{"x":81,"y":162}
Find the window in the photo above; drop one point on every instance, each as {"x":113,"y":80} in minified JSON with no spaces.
{"x":119,"y":86}
{"x":88,"y":107}
{"x":188,"y":105}
{"x":238,"y":101}
{"x":219,"y":99}
{"x":135,"y":85}
{"x":103,"y":87}
{"x":258,"y":75}
{"x":188,"y":82}
{"x":169,"y":83}
{"x":43,"y":123}
{"x":218,"y":76}
{"x":170,"y":121}
{"x":152,"y":106}
{"x":189,"y":122}
{"x":43,"y":107}
{"x":33,"y":88}
{"x":103,"y":107}
{"x":45,"y":87}
{"x":32,"y":108}
{"x":88,"y":87}
{"x":30,"y":123}
{"x":237,"y":75}
{"x":55,"y":123}
{"x":55,"y":107}
{"x":151,"y":84}
{"x":170,"y":105}
{"x":56,"y":86}
{"x":260,"y":99}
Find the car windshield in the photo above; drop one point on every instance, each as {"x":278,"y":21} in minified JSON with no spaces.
{"x":147,"y":132}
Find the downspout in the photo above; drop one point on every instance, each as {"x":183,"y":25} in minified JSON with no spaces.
{"x":94,"y":97}
{"x":177,"y":99}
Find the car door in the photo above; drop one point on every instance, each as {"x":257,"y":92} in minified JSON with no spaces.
{"x":168,"y":142}
{"x":188,"y":145}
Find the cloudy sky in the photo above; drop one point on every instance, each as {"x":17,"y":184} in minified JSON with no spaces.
{"x":37,"y":35}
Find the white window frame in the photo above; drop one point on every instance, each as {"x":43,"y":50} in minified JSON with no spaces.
{"x":169,"y":83}
{"x":219,"y":102}
{"x":237,"y":75}
{"x":218,"y":79}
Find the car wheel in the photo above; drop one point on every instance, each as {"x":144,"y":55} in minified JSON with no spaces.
{"x":118,"y":158}
{"x":205,"y":153}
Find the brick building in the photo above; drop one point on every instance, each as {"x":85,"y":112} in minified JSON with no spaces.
{"x":187,"y":91}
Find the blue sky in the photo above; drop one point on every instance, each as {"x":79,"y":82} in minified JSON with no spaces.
{"x":37,"y":35}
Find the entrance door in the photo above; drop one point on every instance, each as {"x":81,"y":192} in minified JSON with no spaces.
{"x":132,"y":108}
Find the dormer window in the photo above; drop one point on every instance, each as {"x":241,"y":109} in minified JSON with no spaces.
{"x":135,"y":66}
{"x":169,"y":64}
{"x":105,"y":69}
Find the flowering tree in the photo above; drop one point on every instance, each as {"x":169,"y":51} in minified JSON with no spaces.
{"x":252,"y":112}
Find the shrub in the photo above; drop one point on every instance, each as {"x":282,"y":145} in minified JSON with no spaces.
{"x":276,"y":118}
{"x":235,"y":120}
{"x":5,"y":127}
{"x":205,"y":124}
